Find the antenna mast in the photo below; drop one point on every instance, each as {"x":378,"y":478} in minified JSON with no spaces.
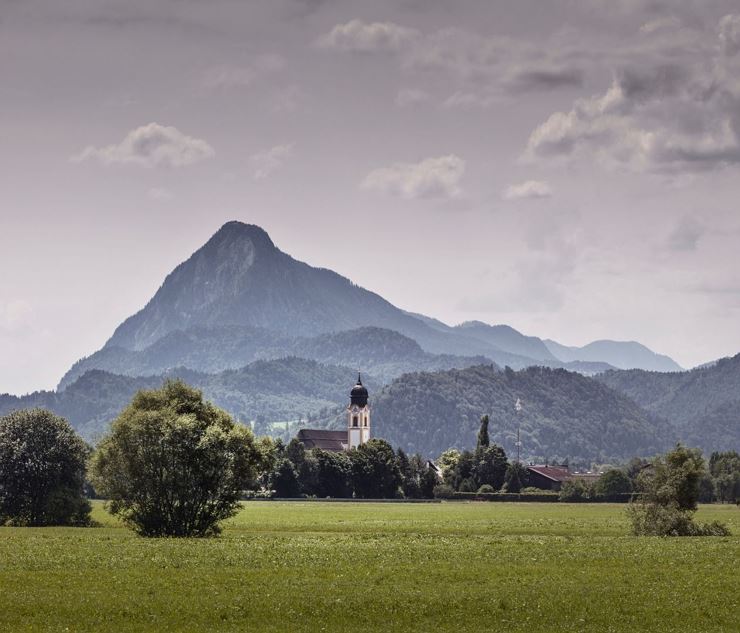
{"x":518,"y":408}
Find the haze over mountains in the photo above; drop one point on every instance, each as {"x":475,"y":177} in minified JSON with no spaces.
{"x":272,"y":339}
{"x":239,"y":298}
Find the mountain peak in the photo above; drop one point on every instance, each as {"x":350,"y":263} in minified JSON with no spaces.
{"x":235,"y":232}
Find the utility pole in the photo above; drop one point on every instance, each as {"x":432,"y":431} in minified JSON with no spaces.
{"x":518,"y":407}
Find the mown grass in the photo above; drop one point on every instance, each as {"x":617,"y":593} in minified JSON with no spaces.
{"x":376,"y":567}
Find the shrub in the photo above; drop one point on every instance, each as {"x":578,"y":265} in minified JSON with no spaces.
{"x":174,"y":464}
{"x":443,"y":491}
{"x":467,"y":485}
{"x":574,"y":490}
{"x":613,"y":482}
{"x":670,"y":491}
{"x":42,"y":470}
{"x":486,"y":488}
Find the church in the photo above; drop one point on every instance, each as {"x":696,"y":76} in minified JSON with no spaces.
{"x":358,"y":425}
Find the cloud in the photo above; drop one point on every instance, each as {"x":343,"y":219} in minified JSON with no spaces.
{"x":160,"y":194}
{"x":15,"y":315}
{"x":267,"y":162}
{"x":149,"y":146}
{"x":360,"y":36}
{"x":729,"y":34}
{"x":543,"y":78}
{"x":482,"y":67}
{"x":686,"y":234}
{"x":409,"y":97}
{"x":528,"y":189}
{"x":235,"y":76}
{"x":670,"y":22}
{"x":662,"y":113}
{"x":430,"y":178}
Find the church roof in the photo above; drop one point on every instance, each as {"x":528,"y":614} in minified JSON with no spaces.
{"x":358,"y":395}
{"x":320,"y":438}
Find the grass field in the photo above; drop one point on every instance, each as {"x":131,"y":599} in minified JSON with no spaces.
{"x":376,"y":567}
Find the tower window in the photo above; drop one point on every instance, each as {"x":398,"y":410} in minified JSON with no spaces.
{"x":354,"y":420}
{"x":365,"y":420}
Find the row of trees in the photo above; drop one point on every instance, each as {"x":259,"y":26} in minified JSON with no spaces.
{"x":372,"y":471}
{"x":173,"y":464}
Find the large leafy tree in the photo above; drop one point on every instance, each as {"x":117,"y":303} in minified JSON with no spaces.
{"x":490,"y":465}
{"x":174,"y":464}
{"x":333,"y":473}
{"x":375,"y":473}
{"x":42,"y":470}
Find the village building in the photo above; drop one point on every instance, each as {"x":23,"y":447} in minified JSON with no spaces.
{"x":552,"y":477}
{"x":358,"y":425}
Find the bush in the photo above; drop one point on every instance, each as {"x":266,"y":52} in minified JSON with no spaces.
{"x":670,"y":491}
{"x":574,"y":490}
{"x":486,"y":488}
{"x":174,"y":464}
{"x":613,"y":482}
{"x":443,"y":491}
{"x":42,"y":470}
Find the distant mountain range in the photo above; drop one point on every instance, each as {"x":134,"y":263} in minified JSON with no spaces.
{"x":270,"y":338}
{"x":239,"y":298}
{"x":703,"y":404}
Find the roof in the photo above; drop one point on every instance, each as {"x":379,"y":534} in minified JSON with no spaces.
{"x":321,"y":438}
{"x":358,"y":395}
{"x":553,"y":473}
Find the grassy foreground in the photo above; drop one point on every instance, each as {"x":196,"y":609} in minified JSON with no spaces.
{"x":376,"y":567}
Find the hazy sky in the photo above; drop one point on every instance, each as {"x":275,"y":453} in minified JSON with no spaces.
{"x":570,"y":167}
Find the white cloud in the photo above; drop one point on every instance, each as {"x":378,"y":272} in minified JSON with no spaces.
{"x":160,"y":194}
{"x":662,"y":113}
{"x":149,"y":146}
{"x":234,"y":76}
{"x":670,"y":22}
{"x":409,"y":97}
{"x":528,"y":189}
{"x":267,"y":162}
{"x":431,"y":178}
{"x":729,"y":34}
{"x":14,"y":315}
{"x":357,"y":35}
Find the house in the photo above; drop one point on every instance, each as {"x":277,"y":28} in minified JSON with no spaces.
{"x":548,"y":477}
{"x":358,"y":425}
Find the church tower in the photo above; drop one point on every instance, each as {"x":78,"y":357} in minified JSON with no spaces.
{"x":358,"y":416}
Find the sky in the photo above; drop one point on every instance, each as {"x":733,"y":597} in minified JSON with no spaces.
{"x":570,"y":168}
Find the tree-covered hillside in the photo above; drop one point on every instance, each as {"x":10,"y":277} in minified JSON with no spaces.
{"x":565,"y":415}
{"x":264,"y":391}
{"x":703,"y":403}
{"x":383,"y":353}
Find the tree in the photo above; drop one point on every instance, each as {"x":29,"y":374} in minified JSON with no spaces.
{"x":42,"y":470}
{"x":333,"y":471}
{"x":174,"y":464}
{"x":669,"y":495}
{"x":375,"y":473}
{"x":284,"y":480}
{"x":483,"y":440}
{"x":515,"y":477}
{"x":724,"y":469}
{"x":574,"y":490}
{"x":612,"y":483}
{"x":490,"y":466}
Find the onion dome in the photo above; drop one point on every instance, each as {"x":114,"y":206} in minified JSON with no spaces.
{"x":358,"y":395}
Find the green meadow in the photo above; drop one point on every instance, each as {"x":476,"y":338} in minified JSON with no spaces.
{"x":316,"y":566}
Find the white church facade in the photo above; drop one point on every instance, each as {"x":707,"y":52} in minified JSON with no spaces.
{"x":358,"y":425}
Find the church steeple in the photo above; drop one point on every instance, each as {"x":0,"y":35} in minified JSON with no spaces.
{"x":358,"y":415}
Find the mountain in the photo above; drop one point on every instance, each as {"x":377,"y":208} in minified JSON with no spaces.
{"x":619,"y":354}
{"x":565,"y":415}
{"x":384,"y":353}
{"x":263,"y":391}
{"x":239,"y":299}
{"x":704,"y":403}
{"x":509,"y":340}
